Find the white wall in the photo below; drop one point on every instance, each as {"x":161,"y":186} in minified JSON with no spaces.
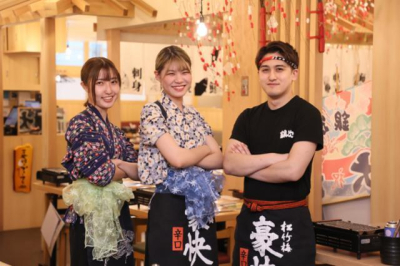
{"x":356,"y":211}
{"x":346,"y":58}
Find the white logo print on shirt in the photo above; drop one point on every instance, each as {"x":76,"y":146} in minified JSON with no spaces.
{"x":287,"y":134}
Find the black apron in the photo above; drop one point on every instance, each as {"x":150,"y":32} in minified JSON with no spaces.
{"x":81,"y":256}
{"x":279,"y":237}
{"x":168,"y":234}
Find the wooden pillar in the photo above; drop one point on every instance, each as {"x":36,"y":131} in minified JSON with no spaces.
{"x":313,"y":94}
{"x":2,"y":34}
{"x":113,"y":51}
{"x":243,"y":36}
{"x":48,"y":90}
{"x":385,"y":147}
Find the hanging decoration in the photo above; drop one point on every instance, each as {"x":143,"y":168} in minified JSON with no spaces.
{"x":272,"y":14}
{"x":352,"y":19}
{"x":217,"y":18}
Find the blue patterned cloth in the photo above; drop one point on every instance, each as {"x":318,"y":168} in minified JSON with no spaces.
{"x":201,"y":189}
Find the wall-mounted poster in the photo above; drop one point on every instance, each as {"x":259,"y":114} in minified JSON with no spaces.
{"x":346,"y":164}
{"x":29,"y":120}
{"x":132,"y":69}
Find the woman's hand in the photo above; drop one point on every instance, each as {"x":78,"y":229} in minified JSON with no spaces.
{"x":116,"y":162}
{"x":131,"y":169}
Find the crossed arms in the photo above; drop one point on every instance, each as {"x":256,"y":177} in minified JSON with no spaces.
{"x":207,"y":156}
{"x":268,"y":167}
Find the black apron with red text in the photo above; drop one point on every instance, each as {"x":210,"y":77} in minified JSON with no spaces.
{"x":171,"y":241}
{"x":274,"y":237}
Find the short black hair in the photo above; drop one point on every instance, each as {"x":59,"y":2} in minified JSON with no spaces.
{"x":283,"y":48}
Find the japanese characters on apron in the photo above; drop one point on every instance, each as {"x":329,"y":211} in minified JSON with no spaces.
{"x":274,"y":238}
{"x":174,"y":240}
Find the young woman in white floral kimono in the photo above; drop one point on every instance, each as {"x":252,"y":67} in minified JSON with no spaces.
{"x":177,"y":152}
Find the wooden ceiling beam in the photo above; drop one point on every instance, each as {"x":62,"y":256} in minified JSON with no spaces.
{"x":37,"y":7}
{"x":103,"y":10}
{"x":347,"y":24}
{"x":10,"y":3}
{"x":130,"y":7}
{"x":166,"y":29}
{"x":369,"y":15}
{"x":18,"y":9}
{"x":364,"y":23}
{"x":82,"y":5}
{"x":367,"y":39}
{"x":117,"y":6}
{"x":59,"y":6}
{"x":9,"y":16}
{"x":21,"y":10}
{"x":355,"y":38}
{"x":145,"y":7}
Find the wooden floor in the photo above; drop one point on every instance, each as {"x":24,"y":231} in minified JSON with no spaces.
{"x":21,"y":247}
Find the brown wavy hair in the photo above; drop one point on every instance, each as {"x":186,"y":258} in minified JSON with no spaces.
{"x":91,"y":70}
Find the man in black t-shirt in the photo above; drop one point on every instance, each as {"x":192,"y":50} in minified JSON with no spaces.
{"x":273,"y":145}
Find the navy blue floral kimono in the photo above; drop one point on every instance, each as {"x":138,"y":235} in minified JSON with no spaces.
{"x":92,"y":143}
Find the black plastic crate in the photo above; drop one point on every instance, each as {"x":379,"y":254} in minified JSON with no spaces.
{"x":143,"y":195}
{"x":348,"y":236}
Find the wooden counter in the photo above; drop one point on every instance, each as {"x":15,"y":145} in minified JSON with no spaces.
{"x":346,"y":258}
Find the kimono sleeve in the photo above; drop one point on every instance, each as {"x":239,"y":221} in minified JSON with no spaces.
{"x":152,"y":125}
{"x":128,"y":152}
{"x":87,"y":155}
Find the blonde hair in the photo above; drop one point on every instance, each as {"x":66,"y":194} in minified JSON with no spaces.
{"x":170,"y":54}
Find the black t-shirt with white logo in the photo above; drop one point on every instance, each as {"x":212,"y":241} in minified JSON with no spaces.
{"x":275,"y":131}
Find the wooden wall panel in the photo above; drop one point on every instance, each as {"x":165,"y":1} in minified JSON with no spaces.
{"x":24,"y":65}
{"x":21,"y":210}
{"x":24,"y":37}
{"x":385,"y":147}
{"x":130,"y":111}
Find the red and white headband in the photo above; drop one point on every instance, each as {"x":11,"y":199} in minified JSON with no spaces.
{"x":274,"y":57}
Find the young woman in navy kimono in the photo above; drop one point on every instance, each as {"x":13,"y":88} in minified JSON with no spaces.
{"x":98,"y":157}
{"x":177,"y":152}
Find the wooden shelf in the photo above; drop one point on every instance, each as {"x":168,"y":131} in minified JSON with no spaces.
{"x":22,"y":52}
{"x":22,"y":135}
